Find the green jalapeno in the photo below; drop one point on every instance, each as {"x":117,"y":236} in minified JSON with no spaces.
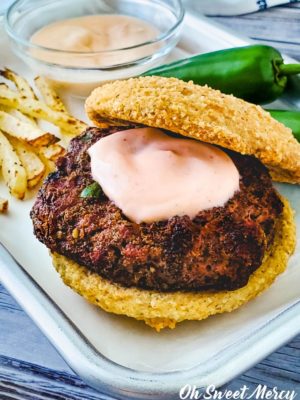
{"x":254,"y":73}
{"x":291,"y":119}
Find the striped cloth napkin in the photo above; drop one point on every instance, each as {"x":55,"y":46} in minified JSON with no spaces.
{"x":234,"y":7}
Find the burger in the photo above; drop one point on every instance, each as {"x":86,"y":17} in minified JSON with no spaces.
{"x":166,"y":210}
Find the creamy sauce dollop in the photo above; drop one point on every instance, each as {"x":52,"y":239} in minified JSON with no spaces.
{"x":91,"y":34}
{"x":152,"y":176}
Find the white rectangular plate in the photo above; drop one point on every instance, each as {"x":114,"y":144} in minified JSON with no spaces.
{"x":120,"y":356}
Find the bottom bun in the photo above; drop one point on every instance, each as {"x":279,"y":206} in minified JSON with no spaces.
{"x":161,"y":310}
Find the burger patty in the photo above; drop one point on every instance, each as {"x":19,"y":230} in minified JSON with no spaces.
{"x":218,"y":249}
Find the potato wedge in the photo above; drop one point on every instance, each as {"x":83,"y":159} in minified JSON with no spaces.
{"x":39,"y":109}
{"x":53,"y":151}
{"x":13,"y":172}
{"x":22,"y":86}
{"x":21,"y":83}
{"x":19,"y":115}
{"x":22,"y":117}
{"x":49,"y":164}
{"x":51,"y":98}
{"x":3,"y":205}
{"x":34,"y":167}
{"x":25,"y":131}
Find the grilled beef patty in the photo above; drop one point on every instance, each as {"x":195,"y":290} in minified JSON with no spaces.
{"x":218,"y":249}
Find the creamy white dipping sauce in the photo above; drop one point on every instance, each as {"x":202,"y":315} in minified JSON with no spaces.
{"x":91,"y":34}
{"x":151,"y":176}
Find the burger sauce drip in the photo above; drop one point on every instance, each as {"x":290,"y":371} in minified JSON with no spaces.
{"x":152,"y":176}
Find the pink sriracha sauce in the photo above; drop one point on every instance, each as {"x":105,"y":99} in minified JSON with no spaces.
{"x":89,"y":41}
{"x":152,"y":176}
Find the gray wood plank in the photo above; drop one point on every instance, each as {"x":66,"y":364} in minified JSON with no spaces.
{"x":278,"y":27}
{"x":19,"y":336}
{"x":30,"y":381}
{"x":31,"y":369}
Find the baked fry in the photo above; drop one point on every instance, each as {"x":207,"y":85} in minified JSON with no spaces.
{"x":18,"y":114}
{"x":25,"y":131}
{"x":50,"y":97}
{"x":3,"y":205}
{"x":27,"y":152}
{"x":53,"y":151}
{"x":21,"y":83}
{"x":23,"y":88}
{"x":34,"y":167}
{"x":49,"y":164}
{"x":39,"y":109}
{"x":13,"y":172}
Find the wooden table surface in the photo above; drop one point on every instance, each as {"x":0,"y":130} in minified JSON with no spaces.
{"x":31,"y":369}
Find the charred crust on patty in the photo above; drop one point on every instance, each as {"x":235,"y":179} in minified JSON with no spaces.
{"x":219,"y":249}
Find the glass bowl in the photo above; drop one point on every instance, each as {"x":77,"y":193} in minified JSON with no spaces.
{"x":25,"y":17}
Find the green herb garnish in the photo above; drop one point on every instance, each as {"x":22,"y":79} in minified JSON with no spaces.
{"x":87,"y":137}
{"x":94,"y":190}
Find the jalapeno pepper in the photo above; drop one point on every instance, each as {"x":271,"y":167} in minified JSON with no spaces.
{"x":291,"y":119}
{"x":254,"y":73}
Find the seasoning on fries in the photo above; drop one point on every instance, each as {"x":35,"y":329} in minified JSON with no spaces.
{"x":3,"y":205}
{"x":27,"y":152}
{"x":13,"y":172}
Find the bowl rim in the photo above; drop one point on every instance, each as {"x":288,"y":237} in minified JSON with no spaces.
{"x":27,"y":43}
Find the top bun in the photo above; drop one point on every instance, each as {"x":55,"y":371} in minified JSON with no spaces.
{"x":202,"y":113}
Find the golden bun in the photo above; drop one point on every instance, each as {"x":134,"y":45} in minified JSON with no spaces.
{"x":161,"y":310}
{"x":202,"y":113}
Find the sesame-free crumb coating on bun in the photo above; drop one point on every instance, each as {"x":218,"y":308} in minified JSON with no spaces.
{"x":161,"y":310}
{"x":201,"y":113}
